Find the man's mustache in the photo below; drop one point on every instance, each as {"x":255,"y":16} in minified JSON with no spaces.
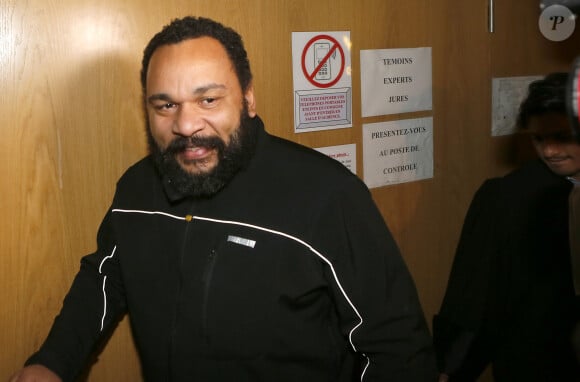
{"x":181,"y":143}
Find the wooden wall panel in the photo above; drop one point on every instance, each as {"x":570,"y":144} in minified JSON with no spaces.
{"x":71,"y":123}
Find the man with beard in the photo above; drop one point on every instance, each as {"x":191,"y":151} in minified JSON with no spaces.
{"x":510,"y":301}
{"x":238,"y":256}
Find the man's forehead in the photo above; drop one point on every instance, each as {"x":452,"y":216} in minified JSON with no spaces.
{"x":548,"y":124}
{"x":189,"y":59}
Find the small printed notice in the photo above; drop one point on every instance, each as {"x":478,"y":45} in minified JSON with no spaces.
{"x":507,"y":94}
{"x":395,"y":81}
{"x":345,"y":154}
{"x":317,"y":109}
{"x":322,"y":80}
{"x":398,"y":151}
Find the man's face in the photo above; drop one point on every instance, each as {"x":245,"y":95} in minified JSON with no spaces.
{"x":192,"y":91}
{"x":552,"y":139}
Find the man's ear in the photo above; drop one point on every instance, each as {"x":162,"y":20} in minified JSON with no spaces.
{"x":250,"y":100}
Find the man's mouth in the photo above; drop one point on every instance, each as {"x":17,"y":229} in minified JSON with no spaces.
{"x":195,"y":152}
{"x":555,"y":159}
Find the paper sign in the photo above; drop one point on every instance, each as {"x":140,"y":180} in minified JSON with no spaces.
{"x":398,"y":151}
{"x":345,"y":154}
{"x":395,"y":81}
{"x":322,"y":80}
{"x":506,"y":96}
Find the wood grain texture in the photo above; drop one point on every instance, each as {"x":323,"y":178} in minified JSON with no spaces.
{"x":71,"y":123}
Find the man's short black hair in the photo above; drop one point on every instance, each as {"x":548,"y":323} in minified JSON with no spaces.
{"x":545,"y":96}
{"x":191,"y":27}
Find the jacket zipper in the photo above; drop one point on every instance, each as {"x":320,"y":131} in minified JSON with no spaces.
{"x":206,"y":283}
{"x":179,"y":295}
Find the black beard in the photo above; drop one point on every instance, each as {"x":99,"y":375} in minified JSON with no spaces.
{"x":231,"y":158}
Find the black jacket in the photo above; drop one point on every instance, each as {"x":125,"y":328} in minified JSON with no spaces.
{"x":287,"y":274}
{"x":510,"y":299}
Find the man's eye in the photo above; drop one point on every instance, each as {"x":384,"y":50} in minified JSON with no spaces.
{"x":209,"y":100}
{"x":563,"y":137}
{"x":166,"y":106}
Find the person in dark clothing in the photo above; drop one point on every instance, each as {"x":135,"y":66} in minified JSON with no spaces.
{"x":510,"y":300}
{"x":237,"y":255}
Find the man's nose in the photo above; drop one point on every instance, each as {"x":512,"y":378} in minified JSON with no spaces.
{"x":550,"y":147}
{"x":187,"y":121}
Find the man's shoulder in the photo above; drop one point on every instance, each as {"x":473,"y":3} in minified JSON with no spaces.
{"x":289,"y":166}
{"x":293,"y":155}
{"x":534,"y":174}
{"x":529,"y":181}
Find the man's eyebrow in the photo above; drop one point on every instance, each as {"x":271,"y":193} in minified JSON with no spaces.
{"x":208,"y":87}
{"x":159,"y":97}
{"x":197,"y":91}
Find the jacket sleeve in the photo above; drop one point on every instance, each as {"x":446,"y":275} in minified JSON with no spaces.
{"x":90,"y":311}
{"x":457,"y":329}
{"x":378,"y":306}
